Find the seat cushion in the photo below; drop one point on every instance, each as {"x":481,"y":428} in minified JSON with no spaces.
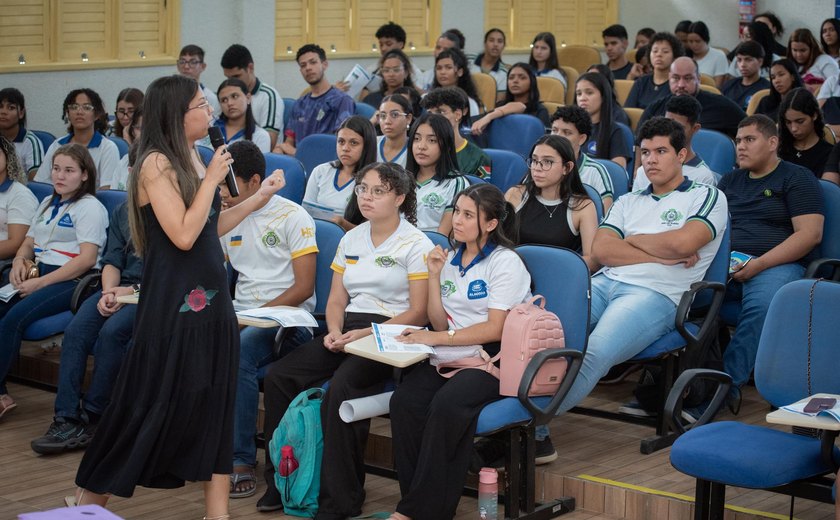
{"x":506,"y":411}
{"x":49,"y":326}
{"x":670,"y":342}
{"x":748,"y":456}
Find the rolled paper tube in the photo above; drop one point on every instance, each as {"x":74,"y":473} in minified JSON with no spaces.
{"x":365,"y":407}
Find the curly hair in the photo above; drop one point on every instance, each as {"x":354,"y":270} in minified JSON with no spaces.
{"x":395,"y":177}
{"x":14,"y":170}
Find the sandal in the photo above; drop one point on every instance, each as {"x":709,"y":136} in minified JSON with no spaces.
{"x":237,"y":478}
{"x":7,"y":404}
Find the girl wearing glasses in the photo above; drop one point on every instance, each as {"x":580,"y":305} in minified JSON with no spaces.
{"x":380,"y":276}
{"x":552,"y":188}
{"x":64,"y":241}
{"x":471,"y":289}
{"x":396,"y":72}
{"x":394,"y":119}
{"x":237,"y":120}
{"x":128,"y":101}
{"x":87,"y":124}
{"x":330,"y":185}
{"x":433,"y":161}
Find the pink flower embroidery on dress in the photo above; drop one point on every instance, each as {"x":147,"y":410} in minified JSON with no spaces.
{"x":197,"y":299}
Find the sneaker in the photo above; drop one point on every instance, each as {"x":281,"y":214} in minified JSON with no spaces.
{"x":63,"y":435}
{"x":544,"y":452}
{"x":635,"y":409}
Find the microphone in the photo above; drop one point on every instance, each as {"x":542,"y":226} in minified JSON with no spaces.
{"x":218,"y":141}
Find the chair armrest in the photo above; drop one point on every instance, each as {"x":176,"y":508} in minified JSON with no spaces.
{"x":87,"y":285}
{"x":709,"y":320}
{"x":673,"y":405}
{"x":815,"y":266}
{"x":543,"y":415}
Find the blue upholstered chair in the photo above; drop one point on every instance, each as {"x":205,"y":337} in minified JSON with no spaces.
{"x":122,"y":144}
{"x":288,"y":105}
{"x":630,"y":141}
{"x":41,"y":190}
{"x":438,"y":239}
{"x":797,"y":357}
{"x":618,"y":177}
{"x":364,"y":110}
{"x":45,"y":137}
{"x":206,"y":153}
{"x":316,"y":149}
{"x":515,"y":133}
{"x":596,"y":199}
{"x":294,"y":173}
{"x":716,"y":149}
{"x":508,"y":168}
{"x":562,"y":277}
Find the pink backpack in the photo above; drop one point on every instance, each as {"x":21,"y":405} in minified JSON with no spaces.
{"x":528,"y":329}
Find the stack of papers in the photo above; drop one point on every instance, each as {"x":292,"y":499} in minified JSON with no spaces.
{"x":799,"y":407}
{"x":385,"y":336}
{"x":7,"y":292}
{"x":282,"y":315}
{"x":319,"y":211}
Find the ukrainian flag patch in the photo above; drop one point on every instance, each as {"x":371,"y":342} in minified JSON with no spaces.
{"x":236,"y":240}
{"x":349,"y":259}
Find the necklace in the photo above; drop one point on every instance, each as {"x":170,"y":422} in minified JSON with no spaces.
{"x":550,"y":211}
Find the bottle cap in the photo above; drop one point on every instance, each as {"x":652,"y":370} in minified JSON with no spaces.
{"x":488,"y":476}
{"x":287,"y":451}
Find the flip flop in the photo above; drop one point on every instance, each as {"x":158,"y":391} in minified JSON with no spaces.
{"x":239,"y":478}
{"x":7,"y":404}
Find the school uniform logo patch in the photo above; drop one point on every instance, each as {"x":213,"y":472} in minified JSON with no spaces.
{"x":477,"y":290}
{"x":434,"y":201}
{"x":307,"y":232}
{"x":385,"y":261}
{"x":447,"y":289}
{"x":65,"y":221}
{"x":236,"y":240}
{"x":350,"y":259}
{"x":671,"y":217}
{"x":270,"y":239}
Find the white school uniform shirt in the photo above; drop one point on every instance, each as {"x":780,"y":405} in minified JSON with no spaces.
{"x":436,"y":198}
{"x":105,"y":156}
{"x":261,"y":249}
{"x":58,"y":232}
{"x":642,"y":212}
{"x":831,"y":88}
{"x":376,"y":278}
{"x":496,"y":279}
{"x":211,"y":98}
{"x":120,"y":179}
{"x":17,"y":206}
{"x":714,"y":63}
{"x":267,"y":106}
{"x":30,"y":149}
{"x":824,"y":67}
{"x":696,"y":170}
{"x":322,"y":188}
{"x":399,"y":159}
{"x":259,"y":138}
{"x":596,"y":175}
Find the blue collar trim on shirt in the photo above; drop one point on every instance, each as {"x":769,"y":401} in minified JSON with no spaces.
{"x":21,"y":135}
{"x":335,"y":180}
{"x":238,"y":135}
{"x":495,"y":65}
{"x":696,"y":162}
{"x":95,"y":141}
{"x":686,"y":184}
{"x":484,"y":253}
{"x":56,"y":203}
{"x":4,"y":187}
{"x":397,"y":157}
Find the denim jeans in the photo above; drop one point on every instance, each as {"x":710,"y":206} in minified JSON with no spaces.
{"x":256,"y":351}
{"x":108,"y":340}
{"x":625,"y":319}
{"x":19,"y":313}
{"x":755,"y":295}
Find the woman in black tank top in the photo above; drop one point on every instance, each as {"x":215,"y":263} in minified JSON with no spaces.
{"x":552,"y":204}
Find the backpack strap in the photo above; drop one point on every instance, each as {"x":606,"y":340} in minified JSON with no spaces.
{"x":485,"y":362}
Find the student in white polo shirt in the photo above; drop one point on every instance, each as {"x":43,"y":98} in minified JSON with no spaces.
{"x":273,"y":250}
{"x":380,"y":275}
{"x":30,"y":149}
{"x":434,"y":162}
{"x":471,"y":290}
{"x":685,"y":110}
{"x":653,"y":245}
{"x":64,"y":242}
{"x":87,"y":123}
{"x":17,"y":202}
{"x":265,"y":101}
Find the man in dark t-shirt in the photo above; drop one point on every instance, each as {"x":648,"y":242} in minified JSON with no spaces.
{"x":749,"y":56}
{"x":777,"y":219}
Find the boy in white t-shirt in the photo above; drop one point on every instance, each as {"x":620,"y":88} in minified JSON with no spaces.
{"x":274,"y":252}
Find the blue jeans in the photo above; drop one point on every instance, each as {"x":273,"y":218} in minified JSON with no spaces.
{"x":19,"y":313}
{"x":755,"y":295}
{"x":256,"y":351}
{"x":108,"y":340}
{"x":625,"y":319}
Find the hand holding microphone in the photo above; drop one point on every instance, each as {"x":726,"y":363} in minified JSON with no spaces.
{"x":218,"y":141}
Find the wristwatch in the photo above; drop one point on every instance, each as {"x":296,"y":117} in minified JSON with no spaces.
{"x":451,"y":333}
{"x":136,"y":288}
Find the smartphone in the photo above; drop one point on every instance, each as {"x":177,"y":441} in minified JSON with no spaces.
{"x":817,"y":404}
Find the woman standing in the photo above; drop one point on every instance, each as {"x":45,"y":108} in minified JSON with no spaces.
{"x":177,"y":426}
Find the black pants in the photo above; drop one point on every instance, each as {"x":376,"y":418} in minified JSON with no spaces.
{"x":342,"y":469}
{"x":433,"y":421}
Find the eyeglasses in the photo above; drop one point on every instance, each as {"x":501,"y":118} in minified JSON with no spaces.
{"x":75,"y":107}
{"x":391,"y":70}
{"x":393,"y":114}
{"x":189,"y":63}
{"x":542,"y":165}
{"x":204,"y":105}
{"x":125,"y":112}
{"x":377,"y":192}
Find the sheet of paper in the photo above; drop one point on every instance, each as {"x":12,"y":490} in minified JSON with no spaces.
{"x":284,"y":316}
{"x":358,"y":77}
{"x":7,"y":292}
{"x":385,"y":336}
{"x":799,"y":407}
{"x":319,"y":211}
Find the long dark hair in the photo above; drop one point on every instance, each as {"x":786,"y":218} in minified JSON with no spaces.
{"x":406,"y":63}
{"x":801,"y":100}
{"x":571,"y":187}
{"x":398,"y":179}
{"x":447,"y":165}
{"x":465,"y":81}
{"x":602,"y":140}
{"x":80,"y":156}
{"x":836,"y":24}
{"x":250,"y":122}
{"x":100,"y":120}
{"x":363,"y":127}
{"x":789,"y":66}
{"x":552,"y":62}
{"x":533,"y":104}
{"x":167,"y":101}
{"x":14,"y":170}
{"x":129,"y":95}
{"x":491,"y":204}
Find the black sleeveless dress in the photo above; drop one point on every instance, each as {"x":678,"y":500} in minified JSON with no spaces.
{"x":170,"y":418}
{"x":537,"y":225}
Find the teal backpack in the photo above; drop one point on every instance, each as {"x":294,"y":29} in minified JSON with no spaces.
{"x":300,"y":428}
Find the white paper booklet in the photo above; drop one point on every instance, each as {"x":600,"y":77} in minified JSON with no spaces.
{"x":319,"y":211}
{"x":7,"y":292}
{"x":385,"y":336}
{"x":799,"y":407}
{"x":358,"y":77}
{"x":284,"y":316}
